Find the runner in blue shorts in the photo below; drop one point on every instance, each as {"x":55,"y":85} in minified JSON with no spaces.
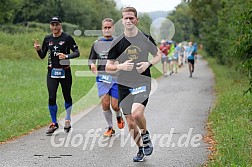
{"x":106,"y":83}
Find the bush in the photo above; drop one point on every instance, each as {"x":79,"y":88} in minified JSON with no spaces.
{"x":35,"y":27}
{"x":13,"y":28}
{"x":43,"y":26}
{"x":69,"y":28}
{"x":24,"y":28}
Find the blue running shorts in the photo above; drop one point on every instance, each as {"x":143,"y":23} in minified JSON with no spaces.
{"x":107,"y":88}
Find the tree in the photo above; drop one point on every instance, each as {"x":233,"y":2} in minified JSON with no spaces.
{"x":183,"y":22}
{"x":8,"y":10}
{"x":205,"y":14}
{"x":241,"y":21}
{"x":144,"y":23}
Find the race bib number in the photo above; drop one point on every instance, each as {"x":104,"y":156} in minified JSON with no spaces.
{"x":140,"y":89}
{"x":105,"y":78}
{"x":58,"y":73}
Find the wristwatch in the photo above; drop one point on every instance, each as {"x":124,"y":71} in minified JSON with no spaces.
{"x":66,"y":56}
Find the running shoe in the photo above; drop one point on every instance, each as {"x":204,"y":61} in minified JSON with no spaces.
{"x":52,"y":128}
{"x":140,"y":155}
{"x":147,"y":144}
{"x":109,"y":132}
{"x":67,"y":126}
{"x":120,"y":122}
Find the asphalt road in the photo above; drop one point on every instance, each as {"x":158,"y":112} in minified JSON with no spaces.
{"x":176,"y":115}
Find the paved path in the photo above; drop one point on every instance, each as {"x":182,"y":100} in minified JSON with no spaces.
{"x":176,"y":115}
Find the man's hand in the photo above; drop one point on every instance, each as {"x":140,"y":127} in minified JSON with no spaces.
{"x":126,"y":66}
{"x":142,"y":66}
{"x":62,"y":56}
{"x":93,"y":68}
{"x":36,"y":44}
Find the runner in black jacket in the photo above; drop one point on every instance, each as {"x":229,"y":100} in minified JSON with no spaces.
{"x":58,"y":46}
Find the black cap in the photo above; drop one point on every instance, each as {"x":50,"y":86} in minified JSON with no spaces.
{"x":55,"y":19}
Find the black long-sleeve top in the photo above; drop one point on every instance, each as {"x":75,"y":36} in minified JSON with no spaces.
{"x":62,"y":44}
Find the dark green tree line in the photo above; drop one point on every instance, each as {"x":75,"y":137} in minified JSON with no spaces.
{"x":86,"y":14}
{"x":183,"y":22}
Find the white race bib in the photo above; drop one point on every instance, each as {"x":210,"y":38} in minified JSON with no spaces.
{"x":58,"y":73}
{"x":140,"y":89}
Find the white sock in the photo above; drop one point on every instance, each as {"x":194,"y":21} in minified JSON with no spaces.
{"x":108,"y":117}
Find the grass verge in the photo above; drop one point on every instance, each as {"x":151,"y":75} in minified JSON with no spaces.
{"x":231,"y":118}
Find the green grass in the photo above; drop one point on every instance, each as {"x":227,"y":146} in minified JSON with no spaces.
{"x":23,"y":89}
{"x":231,"y":118}
{"x":24,"y":97}
{"x":20,"y":46}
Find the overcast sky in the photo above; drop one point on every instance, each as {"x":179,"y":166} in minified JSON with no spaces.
{"x":150,"y":5}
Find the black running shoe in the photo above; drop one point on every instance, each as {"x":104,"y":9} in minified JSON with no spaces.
{"x":67,"y":126}
{"x":140,"y":155}
{"x":52,"y":128}
{"x":148,"y":146}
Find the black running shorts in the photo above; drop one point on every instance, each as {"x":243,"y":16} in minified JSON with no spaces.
{"x":191,"y":61}
{"x":127,"y":96}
